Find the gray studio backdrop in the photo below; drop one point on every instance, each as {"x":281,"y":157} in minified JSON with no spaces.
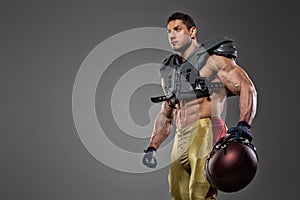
{"x":49,"y":145}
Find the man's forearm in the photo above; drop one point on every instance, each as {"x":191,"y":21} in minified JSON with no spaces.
{"x":162,"y":129}
{"x":248,"y":103}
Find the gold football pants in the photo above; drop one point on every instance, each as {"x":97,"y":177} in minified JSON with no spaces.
{"x":187,"y":178}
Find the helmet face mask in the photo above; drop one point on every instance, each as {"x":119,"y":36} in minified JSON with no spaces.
{"x":232,"y":164}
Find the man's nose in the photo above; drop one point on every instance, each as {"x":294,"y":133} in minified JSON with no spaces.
{"x":171,"y":38}
{"x":172,"y":35}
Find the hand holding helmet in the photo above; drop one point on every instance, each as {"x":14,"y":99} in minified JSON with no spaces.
{"x":241,"y":130}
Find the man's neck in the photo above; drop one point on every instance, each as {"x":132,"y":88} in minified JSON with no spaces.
{"x":184,"y":55}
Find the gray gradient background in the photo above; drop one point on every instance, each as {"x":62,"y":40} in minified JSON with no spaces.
{"x":43,"y":44}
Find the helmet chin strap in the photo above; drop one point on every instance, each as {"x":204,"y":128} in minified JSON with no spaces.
{"x":223,"y":142}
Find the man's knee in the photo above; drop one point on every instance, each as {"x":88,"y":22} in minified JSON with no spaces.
{"x":201,"y":191}
{"x":198,"y":191}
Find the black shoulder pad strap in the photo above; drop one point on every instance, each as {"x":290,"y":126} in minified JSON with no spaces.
{"x":222,"y":46}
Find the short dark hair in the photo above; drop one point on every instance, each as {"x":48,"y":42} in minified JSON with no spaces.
{"x":186,"y":19}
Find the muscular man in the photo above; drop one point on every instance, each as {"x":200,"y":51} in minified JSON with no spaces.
{"x":197,"y":108}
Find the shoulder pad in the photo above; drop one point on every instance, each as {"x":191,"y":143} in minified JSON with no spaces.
{"x":222,"y":46}
{"x":169,"y":63}
{"x":172,"y":60}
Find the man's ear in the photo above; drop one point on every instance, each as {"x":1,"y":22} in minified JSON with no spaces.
{"x":193,"y":32}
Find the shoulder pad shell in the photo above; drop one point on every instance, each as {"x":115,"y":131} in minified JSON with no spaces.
{"x":172,"y":60}
{"x":222,"y":46}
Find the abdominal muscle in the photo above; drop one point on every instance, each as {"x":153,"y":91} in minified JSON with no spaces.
{"x":191,"y":111}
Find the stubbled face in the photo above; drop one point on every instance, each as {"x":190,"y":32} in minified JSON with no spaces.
{"x":179,"y":36}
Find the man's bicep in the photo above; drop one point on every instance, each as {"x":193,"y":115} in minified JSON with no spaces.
{"x":231,"y":75}
{"x":163,"y":86}
{"x":167,"y":111}
{"x":166,"y":108}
